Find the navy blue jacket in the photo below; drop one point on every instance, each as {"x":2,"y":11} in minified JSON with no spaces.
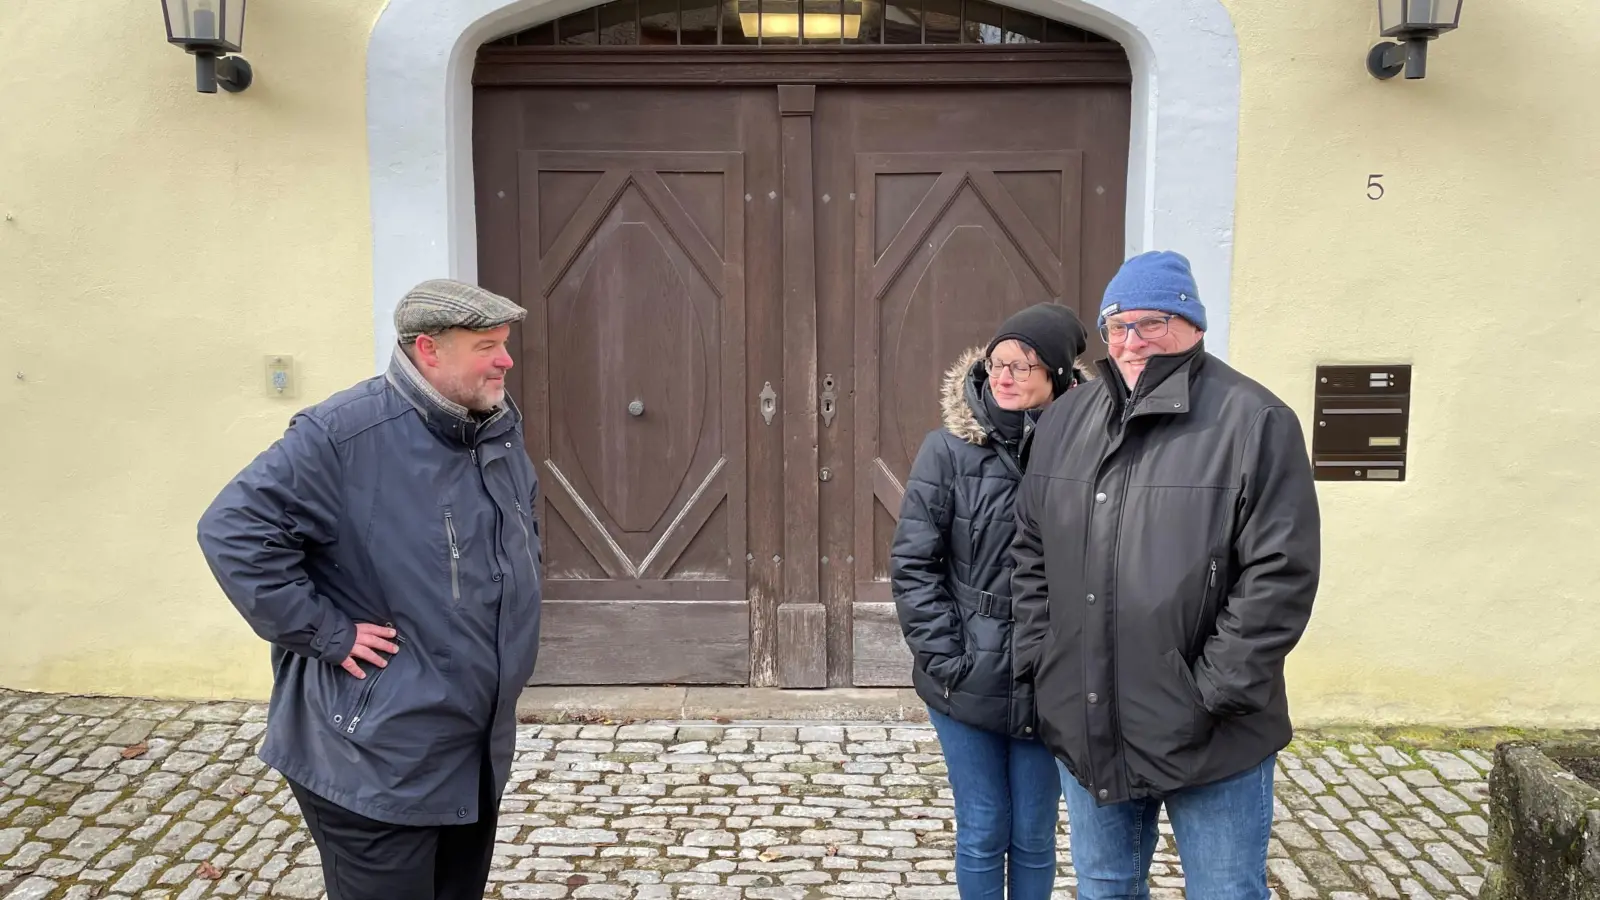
{"x":387,"y":503}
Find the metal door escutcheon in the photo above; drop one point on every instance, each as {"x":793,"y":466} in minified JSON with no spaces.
{"x":769,"y":402}
{"x":829,"y":406}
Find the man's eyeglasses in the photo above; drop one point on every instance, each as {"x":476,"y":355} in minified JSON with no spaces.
{"x":1148,"y":328}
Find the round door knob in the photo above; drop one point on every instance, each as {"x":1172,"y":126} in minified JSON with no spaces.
{"x":636,"y":408}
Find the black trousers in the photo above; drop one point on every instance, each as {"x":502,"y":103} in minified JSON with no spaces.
{"x":367,"y":860}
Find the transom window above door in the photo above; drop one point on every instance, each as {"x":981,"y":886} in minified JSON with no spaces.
{"x":666,"y":23}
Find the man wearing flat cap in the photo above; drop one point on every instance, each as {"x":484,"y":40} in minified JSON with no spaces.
{"x":387,"y":548}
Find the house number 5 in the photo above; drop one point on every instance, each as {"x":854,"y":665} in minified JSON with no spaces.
{"x":1374,"y":188}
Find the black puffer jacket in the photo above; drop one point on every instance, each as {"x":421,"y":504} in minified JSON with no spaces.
{"x":1167,"y":557}
{"x":950,"y":564}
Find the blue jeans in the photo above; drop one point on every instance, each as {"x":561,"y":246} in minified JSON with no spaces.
{"x":1222,"y":830}
{"x":1007,"y":799}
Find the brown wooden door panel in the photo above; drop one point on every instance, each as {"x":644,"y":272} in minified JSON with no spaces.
{"x":947,"y":246}
{"x":636,"y":261}
{"x":709,"y":643}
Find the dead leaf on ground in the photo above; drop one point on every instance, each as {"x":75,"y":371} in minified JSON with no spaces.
{"x":577,"y":880}
{"x":771,"y":855}
{"x":136,"y":751}
{"x":209,"y":872}
{"x":833,"y":849}
{"x":723,"y":720}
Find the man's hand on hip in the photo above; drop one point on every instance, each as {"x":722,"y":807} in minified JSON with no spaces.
{"x":370,"y":639}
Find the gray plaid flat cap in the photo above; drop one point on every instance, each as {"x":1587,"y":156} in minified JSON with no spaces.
{"x":440,"y":304}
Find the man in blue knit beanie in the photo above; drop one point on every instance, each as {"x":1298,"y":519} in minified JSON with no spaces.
{"x":1171,"y":501}
{"x":1151,"y":308}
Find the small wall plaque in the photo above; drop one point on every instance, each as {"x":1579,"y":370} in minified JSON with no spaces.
{"x":1363,"y":416}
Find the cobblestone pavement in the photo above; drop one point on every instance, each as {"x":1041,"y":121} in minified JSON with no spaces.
{"x":117,"y":798}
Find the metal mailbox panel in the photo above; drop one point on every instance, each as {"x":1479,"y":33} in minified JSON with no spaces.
{"x":1362,"y":423}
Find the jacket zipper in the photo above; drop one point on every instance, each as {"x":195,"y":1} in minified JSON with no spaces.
{"x":372,"y":684}
{"x":455,"y":559}
{"x":1205,"y":601}
{"x":527,"y":539}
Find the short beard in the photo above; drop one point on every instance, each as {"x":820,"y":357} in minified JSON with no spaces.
{"x":482,"y":398}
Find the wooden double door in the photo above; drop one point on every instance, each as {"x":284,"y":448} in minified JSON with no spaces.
{"x":742,"y":299}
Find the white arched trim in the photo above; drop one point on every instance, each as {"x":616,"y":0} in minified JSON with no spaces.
{"x":1182,"y":149}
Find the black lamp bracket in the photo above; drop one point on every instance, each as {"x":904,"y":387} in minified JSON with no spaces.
{"x":231,"y":72}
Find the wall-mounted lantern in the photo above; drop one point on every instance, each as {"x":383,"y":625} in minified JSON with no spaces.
{"x":1413,"y":23}
{"x":208,"y":29}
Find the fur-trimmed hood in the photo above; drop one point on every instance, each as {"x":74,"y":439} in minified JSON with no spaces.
{"x":958,"y":392}
{"x":958,"y":417}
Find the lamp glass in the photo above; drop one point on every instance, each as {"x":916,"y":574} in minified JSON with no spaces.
{"x":214,"y":25}
{"x":233,"y":24}
{"x":1398,"y":16}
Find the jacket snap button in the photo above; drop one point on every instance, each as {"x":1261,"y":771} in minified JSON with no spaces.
{"x":497,"y":576}
{"x":1100,"y":497}
{"x":1027,"y":729}
{"x":1094,"y":698}
{"x":461,"y":813}
{"x":508,"y":445}
{"x":1104,"y":793}
{"x":1091,"y":599}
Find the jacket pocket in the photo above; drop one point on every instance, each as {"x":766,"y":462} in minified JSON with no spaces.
{"x":1203,"y":608}
{"x":1199,"y":717}
{"x":949,"y":671}
{"x":455,"y":558}
{"x":528,"y":538}
{"x":352,"y":721}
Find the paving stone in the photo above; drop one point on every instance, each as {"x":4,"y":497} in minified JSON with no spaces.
{"x":661,"y":733}
{"x":91,"y":706}
{"x":304,"y":882}
{"x":1447,"y":801}
{"x":1450,"y":766}
{"x":1393,"y":758}
{"x":1449,"y":859}
{"x":60,"y":828}
{"x":32,"y":889}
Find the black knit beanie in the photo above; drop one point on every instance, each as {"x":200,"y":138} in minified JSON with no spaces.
{"x":1055,"y":335}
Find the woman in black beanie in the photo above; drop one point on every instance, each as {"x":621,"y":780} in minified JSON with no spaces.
{"x":950,"y":567}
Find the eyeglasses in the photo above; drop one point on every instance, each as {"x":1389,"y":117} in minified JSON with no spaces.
{"x":1148,"y":328}
{"x":1019,"y":370}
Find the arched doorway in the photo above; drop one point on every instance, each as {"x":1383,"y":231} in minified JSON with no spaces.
{"x":751,"y":235}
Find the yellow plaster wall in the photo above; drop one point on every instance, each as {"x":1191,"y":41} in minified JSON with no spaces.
{"x":161,"y":242}
{"x":1470,"y":593}
{"x":155,"y":243}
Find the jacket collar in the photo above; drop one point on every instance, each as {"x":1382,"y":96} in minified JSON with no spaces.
{"x":1163,"y":388}
{"x":442,"y":415}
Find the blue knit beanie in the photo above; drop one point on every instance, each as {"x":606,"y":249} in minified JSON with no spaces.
{"x":1159,"y":280}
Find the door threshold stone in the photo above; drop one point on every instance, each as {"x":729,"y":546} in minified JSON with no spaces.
{"x":716,"y":704}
